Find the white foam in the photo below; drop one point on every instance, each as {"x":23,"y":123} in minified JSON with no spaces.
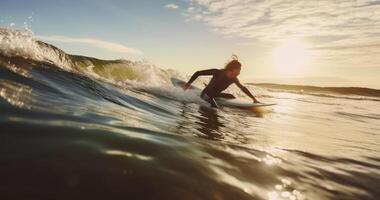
{"x":22,"y":43}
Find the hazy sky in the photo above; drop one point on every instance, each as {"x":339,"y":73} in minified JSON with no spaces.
{"x":334,"y":41}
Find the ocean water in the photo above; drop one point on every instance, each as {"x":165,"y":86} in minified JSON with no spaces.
{"x":74,"y":127}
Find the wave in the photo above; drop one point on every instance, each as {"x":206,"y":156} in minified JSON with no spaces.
{"x":22,"y":45}
{"x":19,"y":50}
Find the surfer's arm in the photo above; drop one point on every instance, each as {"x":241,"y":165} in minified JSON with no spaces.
{"x":207,"y":72}
{"x":245,"y":90}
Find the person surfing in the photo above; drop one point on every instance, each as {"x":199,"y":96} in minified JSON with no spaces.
{"x":221,"y":79}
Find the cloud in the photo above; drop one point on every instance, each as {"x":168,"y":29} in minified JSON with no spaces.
{"x":171,"y":6}
{"x":275,"y":19}
{"x":110,"y":46}
{"x":326,"y":24}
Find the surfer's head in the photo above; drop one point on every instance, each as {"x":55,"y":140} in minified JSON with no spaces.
{"x":233,"y":69}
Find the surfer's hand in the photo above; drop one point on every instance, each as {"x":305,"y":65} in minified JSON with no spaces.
{"x":185,"y":86}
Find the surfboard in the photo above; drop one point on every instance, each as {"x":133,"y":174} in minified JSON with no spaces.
{"x":224,"y":101}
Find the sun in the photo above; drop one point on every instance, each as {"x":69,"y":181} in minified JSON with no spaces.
{"x":291,"y":57}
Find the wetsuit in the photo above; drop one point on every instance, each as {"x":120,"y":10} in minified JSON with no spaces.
{"x":217,"y":84}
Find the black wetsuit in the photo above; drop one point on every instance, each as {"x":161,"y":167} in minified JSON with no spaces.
{"x":217,"y":84}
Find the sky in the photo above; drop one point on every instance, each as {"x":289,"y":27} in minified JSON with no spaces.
{"x":324,"y":42}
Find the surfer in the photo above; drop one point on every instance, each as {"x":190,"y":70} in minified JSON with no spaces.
{"x":222,"y":78}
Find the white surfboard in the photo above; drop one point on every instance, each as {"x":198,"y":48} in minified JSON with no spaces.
{"x":224,"y":101}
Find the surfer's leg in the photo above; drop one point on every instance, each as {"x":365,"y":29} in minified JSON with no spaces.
{"x":226,"y":95}
{"x":212,"y":101}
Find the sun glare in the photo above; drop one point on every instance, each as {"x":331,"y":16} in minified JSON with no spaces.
{"x":290,"y":58}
